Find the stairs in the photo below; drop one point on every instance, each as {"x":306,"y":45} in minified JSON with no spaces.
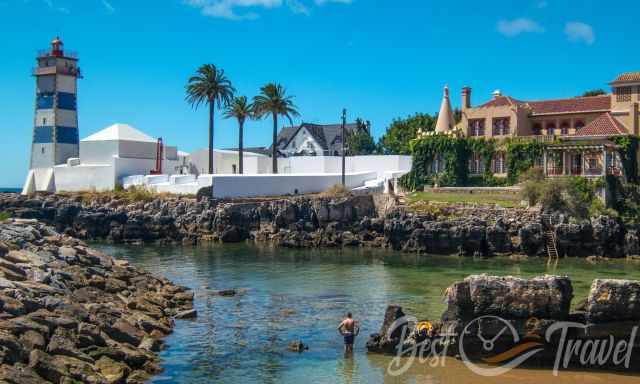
{"x":550,"y":237}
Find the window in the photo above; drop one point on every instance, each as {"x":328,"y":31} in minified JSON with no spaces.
{"x":476,"y":127}
{"x":476,"y":164}
{"x":500,"y":126}
{"x":499,"y":163}
{"x":233,"y":169}
{"x":564,"y":128}
{"x":579,"y":124}
{"x":623,"y":94}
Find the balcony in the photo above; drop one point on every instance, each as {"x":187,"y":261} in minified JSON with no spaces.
{"x":555,"y":171}
{"x":66,"y":54}
{"x":53,"y":70}
{"x":538,"y":138}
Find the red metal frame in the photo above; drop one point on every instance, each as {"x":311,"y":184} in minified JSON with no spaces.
{"x":159,"y":156}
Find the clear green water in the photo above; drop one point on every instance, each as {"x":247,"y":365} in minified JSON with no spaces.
{"x":302,"y":295}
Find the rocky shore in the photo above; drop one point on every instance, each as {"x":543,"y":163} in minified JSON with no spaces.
{"x":519,"y":315}
{"x":71,"y":314}
{"x":303,"y":222}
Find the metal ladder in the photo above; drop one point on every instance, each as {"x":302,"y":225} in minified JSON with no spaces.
{"x":550,"y":237}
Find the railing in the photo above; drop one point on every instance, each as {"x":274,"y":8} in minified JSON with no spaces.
{"x":593,"y":172}
{"x":555,"y":171}
{"x":538,"y":138}
{"x":65,"y":53}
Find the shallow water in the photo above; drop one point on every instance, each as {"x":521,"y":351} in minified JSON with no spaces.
{"x":301,"y":295}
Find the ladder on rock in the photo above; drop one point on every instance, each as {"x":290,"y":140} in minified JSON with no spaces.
{"x":550,"y":237}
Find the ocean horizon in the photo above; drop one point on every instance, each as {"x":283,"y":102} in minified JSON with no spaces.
{"x":9,"y":190}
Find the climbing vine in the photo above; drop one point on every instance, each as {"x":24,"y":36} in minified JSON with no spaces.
{"x":451,"y":151}
{"x":455,"y":151}
{"x":628,"y":150}
{"x":521,"y":156}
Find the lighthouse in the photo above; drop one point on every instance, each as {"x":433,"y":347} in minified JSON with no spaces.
{"x":55,"y":130}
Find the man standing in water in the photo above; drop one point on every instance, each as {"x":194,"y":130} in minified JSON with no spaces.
{"x":349,"y":330}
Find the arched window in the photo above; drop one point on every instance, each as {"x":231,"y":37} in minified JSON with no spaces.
{"x":564,"y":127}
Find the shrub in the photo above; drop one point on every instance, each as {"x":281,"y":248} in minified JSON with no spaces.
{"x":337,"y":190}
{"x":533,"y":181}
{"x":5,"y":215}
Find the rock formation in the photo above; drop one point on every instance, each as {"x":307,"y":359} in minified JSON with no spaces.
{"x":69,"y":313}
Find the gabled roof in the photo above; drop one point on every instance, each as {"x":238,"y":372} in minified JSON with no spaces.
{"x":325,"y":135}
{"x":572,"y":105}
{"x":603,"y":125}
{"x":500,"y":101}
{"x":122,"y":132}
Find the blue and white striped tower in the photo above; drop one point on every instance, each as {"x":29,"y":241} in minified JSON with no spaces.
{"x":55,"y":132}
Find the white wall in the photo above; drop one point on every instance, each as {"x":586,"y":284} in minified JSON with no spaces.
{"x":232,"y":186}
{"x":225,"y":160}
{"x":84,"y":178}
{"x":333,"y":164}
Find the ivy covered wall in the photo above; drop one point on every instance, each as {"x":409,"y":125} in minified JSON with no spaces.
{"x":455,"y":152}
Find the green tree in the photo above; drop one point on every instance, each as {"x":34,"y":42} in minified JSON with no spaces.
{"x":360,"y":143}
{"x":401,"y":131}
{"x":209,"y":86}
{"x":594,"y":92}
{"x":274,"y":101}
{"x":241,"y":110}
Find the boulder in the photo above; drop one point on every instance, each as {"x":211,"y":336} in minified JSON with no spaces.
{"x":60,"y":369}
{"x":113,"y":371}
{"x":389,"y":337}
{"x":613,"y":301}
{"x":546,"y":297}
{"x":122,"y":331}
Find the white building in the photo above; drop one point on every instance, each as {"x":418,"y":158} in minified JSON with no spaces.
{"x":226,"y":162}
{"x":106,"y":157}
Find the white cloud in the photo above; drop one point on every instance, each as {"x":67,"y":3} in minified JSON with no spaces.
{"x":108,"y":6}
{"x":579,"y":32}
{"x":515,"y":27}
{"x":249,"y":9}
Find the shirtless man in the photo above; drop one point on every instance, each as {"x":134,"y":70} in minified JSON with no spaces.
{"x":349,"y":330}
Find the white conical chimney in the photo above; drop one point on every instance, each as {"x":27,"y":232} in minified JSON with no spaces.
{"x":445,"y":117}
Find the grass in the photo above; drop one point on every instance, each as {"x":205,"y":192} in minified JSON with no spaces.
{"x":337,"y":190}
{"x":133,"y":194}
{"x":418,"y":200}
{"x":5,"y":215}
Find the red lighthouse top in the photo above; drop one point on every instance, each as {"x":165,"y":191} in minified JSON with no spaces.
{"x":57,"y":47}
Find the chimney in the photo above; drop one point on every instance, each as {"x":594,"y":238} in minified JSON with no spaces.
{"x":497,"y":93}
{"x":466,"y":98}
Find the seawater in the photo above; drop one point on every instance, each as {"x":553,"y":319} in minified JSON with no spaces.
{"x":288,"y":295}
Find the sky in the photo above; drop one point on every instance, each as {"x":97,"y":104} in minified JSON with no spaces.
{"x":378,"y":59}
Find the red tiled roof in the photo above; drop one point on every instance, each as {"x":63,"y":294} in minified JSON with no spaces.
{"x":573,"y":105}
{"x":603,"y":125}
{"x":628,"y":76}
{"x":500,"y":101}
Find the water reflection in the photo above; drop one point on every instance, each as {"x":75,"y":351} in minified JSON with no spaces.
{"x":293,"y":295}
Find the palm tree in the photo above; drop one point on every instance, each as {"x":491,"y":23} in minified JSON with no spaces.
{"x":241,"y":110}
{"x":273,"y":100}
{"x":210,"y":86}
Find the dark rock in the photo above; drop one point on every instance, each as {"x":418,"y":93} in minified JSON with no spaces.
{"x":297,"y":346}
{"x":613,"y":300}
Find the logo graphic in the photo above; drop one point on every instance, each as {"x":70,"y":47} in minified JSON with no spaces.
{"x":507,"y":360}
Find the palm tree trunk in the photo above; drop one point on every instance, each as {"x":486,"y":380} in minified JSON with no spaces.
{"x":211,"y":112}
{"x":274,"y":150}
{"x":240,"y":148}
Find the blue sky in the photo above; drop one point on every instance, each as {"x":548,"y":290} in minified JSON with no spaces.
{"x":378,"y":59}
